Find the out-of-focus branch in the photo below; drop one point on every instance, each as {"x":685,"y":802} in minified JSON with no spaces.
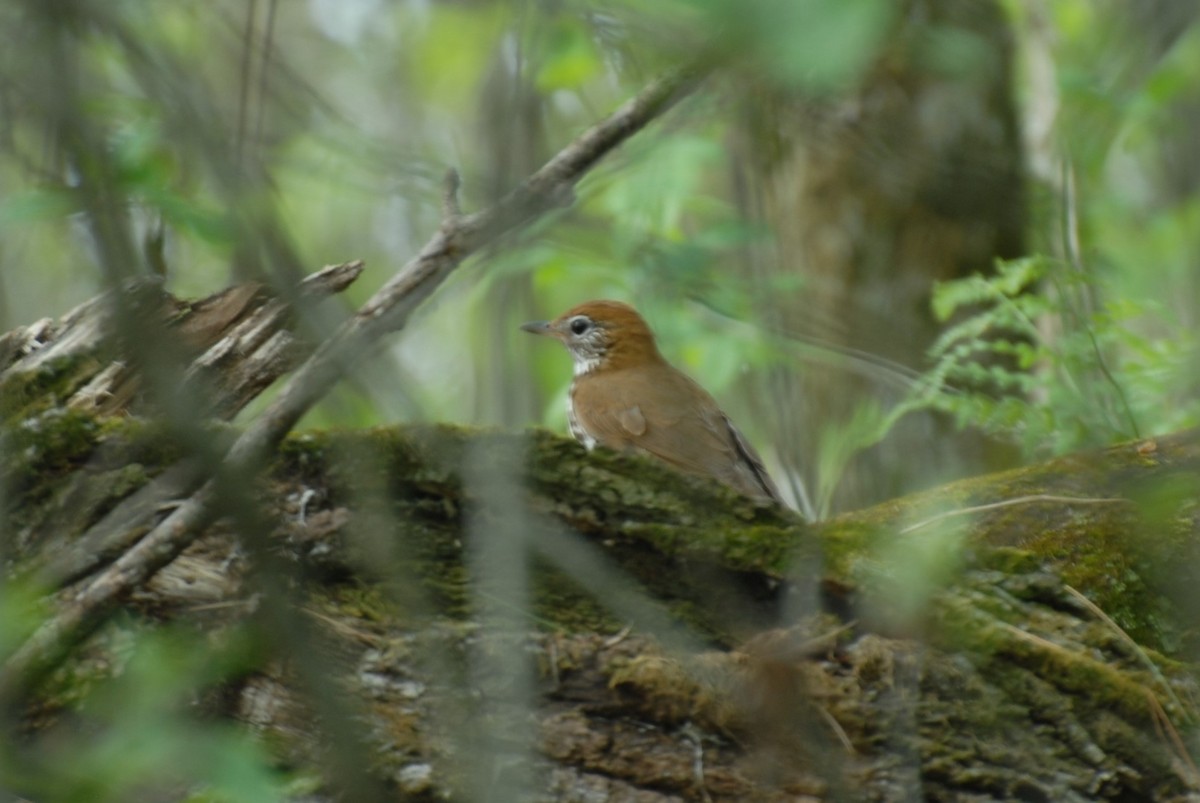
{"x":387,"y":311}
{"x":244,"y":340}
{"x":459,"y":237}
{"x":239,"y":341}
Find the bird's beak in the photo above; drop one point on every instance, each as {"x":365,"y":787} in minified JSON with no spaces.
{"x":536,"y":327}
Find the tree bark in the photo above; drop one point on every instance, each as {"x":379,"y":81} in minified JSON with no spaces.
{"x":1012,"y":636}
{"x":873,"y":195}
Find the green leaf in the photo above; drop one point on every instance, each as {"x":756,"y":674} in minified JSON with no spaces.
{"x":569,"y":58}
{"x":36,"y":205}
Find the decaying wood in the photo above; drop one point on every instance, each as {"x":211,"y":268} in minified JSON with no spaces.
{"x":387,"y":311}
{"x":1021,"y":636}
{"x":258,"y":350}
{"x":1048,"y":652}
{"x":238,"y":336}
{"x":1000,"y":683}
{"x":241,"y":342}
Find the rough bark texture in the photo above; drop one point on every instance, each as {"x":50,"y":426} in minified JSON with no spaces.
{"x":237,"y":338}
{"x":679,"y":642}
{"x":873,"y":194}
{"x":228,"y":474}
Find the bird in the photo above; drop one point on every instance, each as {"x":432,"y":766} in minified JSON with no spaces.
{"x":627,"y":397}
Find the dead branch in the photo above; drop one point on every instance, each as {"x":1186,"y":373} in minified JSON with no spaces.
{"x":387,"y":311}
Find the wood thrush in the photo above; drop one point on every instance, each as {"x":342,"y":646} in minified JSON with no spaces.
{"x":627,"y":397}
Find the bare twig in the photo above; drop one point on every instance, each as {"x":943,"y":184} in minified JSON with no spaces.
{"x":1151,"y":667}
{"x":387,"y":311}
{"x":255,"y":348}
{"x":332,"y":279}
{"x":451,"y":212}
{"x":838,"y":730}
{"x":1169,"y":734}
{"x":693,"y":734}
{"x":260,"y":349}
{"x":1018,"y":500}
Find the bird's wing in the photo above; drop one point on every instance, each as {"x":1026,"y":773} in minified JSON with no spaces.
{"x":605,"y":414}
{"x":632,"y":420}
{"x":697,"y":438}
{"x":750,"y":459}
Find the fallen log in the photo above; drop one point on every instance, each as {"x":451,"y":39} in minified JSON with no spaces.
{"x":1017,"y":636}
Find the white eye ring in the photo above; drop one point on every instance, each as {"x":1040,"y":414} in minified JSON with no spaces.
{"x":580,"y":325}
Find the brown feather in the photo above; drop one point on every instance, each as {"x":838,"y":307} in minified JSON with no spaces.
{"x":628,"y":398}
{"x":696,"y":437}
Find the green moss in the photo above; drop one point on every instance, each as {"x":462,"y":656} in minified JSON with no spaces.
{"x":1099,"y":557}
{"x":44,"y":446}
{"x":353,"y":603}
{"x":1127,"y":543}
{"x":1006,"y":648}
{"x":844,"y":542}
{"x":560,"y":603}
{"x":445,"y":579}
{"x":684,"y":530}
{"x":150,"y":443}
{"x":1010,"y":560}
{"x":763,"y":548}
{"x":23,"y":395}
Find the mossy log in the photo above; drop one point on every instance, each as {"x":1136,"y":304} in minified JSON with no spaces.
{"x":1039,"y":648}
{"x":512,"y":614}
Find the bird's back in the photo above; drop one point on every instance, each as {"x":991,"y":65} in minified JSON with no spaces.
{"x":637,"y":408}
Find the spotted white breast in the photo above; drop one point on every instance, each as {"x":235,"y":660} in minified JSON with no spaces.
{"x":577,"y":430}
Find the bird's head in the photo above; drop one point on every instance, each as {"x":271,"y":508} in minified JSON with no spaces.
{"x":600,"y":334}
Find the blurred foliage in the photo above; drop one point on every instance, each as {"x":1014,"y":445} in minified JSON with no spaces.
{"x":138,"y":735}
{"x":1094,"y":341}
{"x":1027,"y":362}
{"x":333,"y":121}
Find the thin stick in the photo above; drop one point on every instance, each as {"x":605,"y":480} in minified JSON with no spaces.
{"x":1099,"y":613}
{"x":387,"y":311}
{"x":1018,"y":500}
{"x":1169,"y":733}
{"x":838,"y":730}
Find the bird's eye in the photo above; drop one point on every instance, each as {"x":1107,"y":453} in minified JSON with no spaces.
{"x":580,"y":325}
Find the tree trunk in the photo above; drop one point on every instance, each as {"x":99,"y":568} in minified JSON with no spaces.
{"x":873,"y":195}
